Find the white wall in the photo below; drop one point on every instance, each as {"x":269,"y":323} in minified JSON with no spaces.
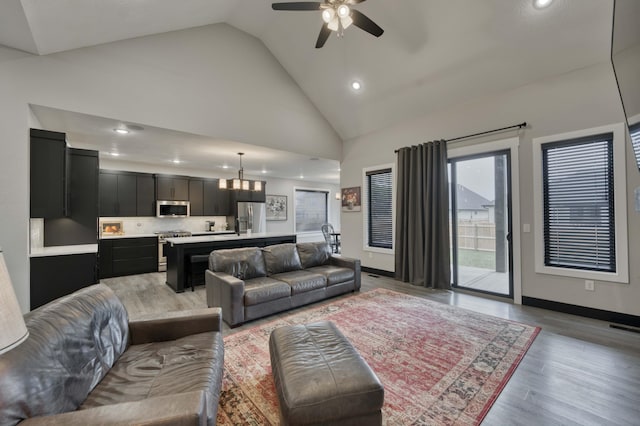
{"x":214,"y":81}
{"x":582,"y":99}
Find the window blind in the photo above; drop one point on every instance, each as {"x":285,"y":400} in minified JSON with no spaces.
{"x":380,"y":208}
{"x":634,"y":131}
{"x":579,"y":227}
{"x":311,"y":210}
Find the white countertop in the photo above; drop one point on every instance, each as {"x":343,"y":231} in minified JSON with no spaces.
{"x":63,"y":250}
{"x":206,"y":233}
{"x":228,"y":237}
{"x":113,"y":237}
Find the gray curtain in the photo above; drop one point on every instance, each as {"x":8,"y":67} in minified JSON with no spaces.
{"x":422,"y":217}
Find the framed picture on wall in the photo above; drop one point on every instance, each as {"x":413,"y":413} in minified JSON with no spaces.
{"x":351,"y":199}
{"x":276,"y":206}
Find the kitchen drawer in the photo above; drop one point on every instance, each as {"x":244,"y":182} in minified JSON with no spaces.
{"x":134,"y":266}
{"x":128,"y":256}
{"x":134,"y":252}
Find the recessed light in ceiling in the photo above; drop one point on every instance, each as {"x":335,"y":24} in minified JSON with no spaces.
{"x":541,"y":4}
{"x":225,"y":166}
{"x":301,"y":176}
{"x":115,"y":154}
{"x":264,"y":171}
{"x":121,"y":131}
{"x":356,"y":85}
{"x":176,"y":161}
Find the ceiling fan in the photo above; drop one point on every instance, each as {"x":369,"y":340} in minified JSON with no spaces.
{"x":337,"y":16}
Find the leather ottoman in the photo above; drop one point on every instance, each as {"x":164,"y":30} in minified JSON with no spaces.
{"x":321,"y":379}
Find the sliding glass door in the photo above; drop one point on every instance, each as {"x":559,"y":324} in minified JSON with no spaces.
{"x":480,"y":214}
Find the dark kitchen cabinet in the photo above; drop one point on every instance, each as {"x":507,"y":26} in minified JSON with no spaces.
{"x":196,"y":193}
{"x":216,"y":201}
{"x":81,"y":224}
{"x":146,"y":195}
{"x":251,"y":196}
{"x":117,"y":194}
{"x":56,"y":276}
{"x":126,"y":194}
{"x":128,"y":256}
{"x":172,"y":188}
{"x":48,"y":174}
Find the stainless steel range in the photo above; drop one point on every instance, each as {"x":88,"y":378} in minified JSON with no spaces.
{"x":162,"y":236}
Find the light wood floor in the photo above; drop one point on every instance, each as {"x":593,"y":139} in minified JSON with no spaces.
{"x":578,"y":371}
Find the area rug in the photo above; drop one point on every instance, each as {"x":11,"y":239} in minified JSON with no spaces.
{"x":439,"y":364}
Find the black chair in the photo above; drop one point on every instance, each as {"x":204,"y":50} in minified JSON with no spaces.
{"x":331,"y":237}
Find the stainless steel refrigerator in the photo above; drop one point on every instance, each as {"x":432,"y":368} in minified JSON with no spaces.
{"x":252,"y":217}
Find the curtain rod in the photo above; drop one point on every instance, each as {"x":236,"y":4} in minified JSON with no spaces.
{"x":521,"y":125}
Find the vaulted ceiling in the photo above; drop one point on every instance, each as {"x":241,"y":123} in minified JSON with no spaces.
{"x":433,"y":54}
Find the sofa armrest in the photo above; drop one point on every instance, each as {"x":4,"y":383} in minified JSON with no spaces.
{"x":183,"y":409}
{"x":227,"y":292}
{"x":351,"y":263}
{"x":174,"y":325}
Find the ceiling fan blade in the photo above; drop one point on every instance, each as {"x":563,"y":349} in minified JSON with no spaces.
{"x":297,"y":5}
{"x":361,"y":21}
{"x":325,"y":32}
{"x":354,"y":1}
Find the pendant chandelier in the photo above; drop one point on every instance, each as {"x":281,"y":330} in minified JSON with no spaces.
{"x":240,"y":183}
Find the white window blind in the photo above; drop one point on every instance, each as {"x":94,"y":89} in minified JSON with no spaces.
{"x":380,"y":191}
{"x":311,"y":210}
{"x":635,"y":140}
{"x":578,"y":197}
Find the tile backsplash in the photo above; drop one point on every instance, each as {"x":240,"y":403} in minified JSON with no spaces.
{"x":149,"y":225}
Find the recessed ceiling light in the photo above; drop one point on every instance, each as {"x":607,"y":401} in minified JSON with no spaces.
{"x":176,"y":161}
{"x":301,"y":176}
{"x":356,"y":85}
{"x":224,"y":166}
{"x":115,"y":154}
{"x":264,"y":171}
{"x":541,"y":4}
{"x":121,"y":131}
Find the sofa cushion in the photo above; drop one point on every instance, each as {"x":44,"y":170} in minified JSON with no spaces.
{"x":302,"y":281}
{"x":334,"y":274}
{"x":191,"y":363}
{"x":242,"y":263}
{"x":281,"y":258}
{"x":264,"y":289}
{"x":73,"y":342}
{"x":313,"y":254}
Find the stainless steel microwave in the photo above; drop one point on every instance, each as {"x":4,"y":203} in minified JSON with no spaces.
{"x":173,"y":209}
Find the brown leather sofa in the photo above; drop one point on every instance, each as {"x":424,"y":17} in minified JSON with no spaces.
{"x":85,"y":363}
{"x":250,"y":283}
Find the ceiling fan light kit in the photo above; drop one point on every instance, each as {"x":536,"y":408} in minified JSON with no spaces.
{"x":337,"y":16}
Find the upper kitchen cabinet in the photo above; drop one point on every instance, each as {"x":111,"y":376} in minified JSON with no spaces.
{"x":252,"y":196}
{"x":126,"y":194}
{"x":172,"y":188}
{"x":196,"y":190}
{"x":80,"y":226}
{"x":48,"y":174}
{"x":145,"y":195}
{"x":216,"y":201}
{"x":117,"y":194}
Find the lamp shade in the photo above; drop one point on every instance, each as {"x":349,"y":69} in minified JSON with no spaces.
{"x":13,"y":330}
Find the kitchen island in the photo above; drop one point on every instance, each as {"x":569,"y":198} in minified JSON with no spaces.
{"x":182,"y":273}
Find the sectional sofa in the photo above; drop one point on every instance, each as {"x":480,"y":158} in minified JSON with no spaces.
{"x":250,"y":283}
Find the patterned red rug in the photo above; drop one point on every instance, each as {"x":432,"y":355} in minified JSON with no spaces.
{"x":440,"y":365}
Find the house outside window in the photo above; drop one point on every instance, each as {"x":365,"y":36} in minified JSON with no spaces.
{"x":580,"y":204}
{"x":379,"y":212}
{"x":311,"y":209}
